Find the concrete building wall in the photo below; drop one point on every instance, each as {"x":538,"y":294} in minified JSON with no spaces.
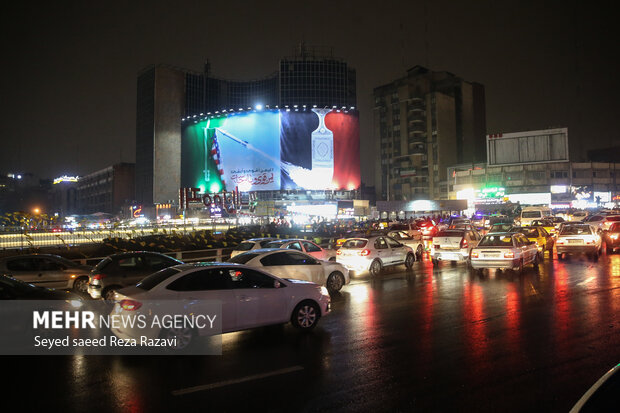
{"x":168,"y":108}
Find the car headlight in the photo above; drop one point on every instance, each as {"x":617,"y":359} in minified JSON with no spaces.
{"x":75,"y":303}
{"x":324,"y":291}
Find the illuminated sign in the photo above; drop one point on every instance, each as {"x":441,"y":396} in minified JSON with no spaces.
{"x":137,"y":212}
{"x":231,"y":202}
{"x":315,"y":149}
{"x":66,"y":178}
{"x":493,"y":192}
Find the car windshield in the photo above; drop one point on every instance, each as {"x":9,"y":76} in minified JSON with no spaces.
{"x":576,"y":230}
{"x":529,"y":232}
{"x":500,"y":240}
{"x":500,"y":227}
{"x":274,"y":244}
{"x":17,"y":284}
{"x":156,"y":278}
{"x":355,"y":243}
{"x":244,"y":246}
{"x":531,"y":214}
{"x":243,"y":258}
{"x":399,"y":235}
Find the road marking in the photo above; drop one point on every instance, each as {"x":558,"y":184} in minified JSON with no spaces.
{"x":586,"y":281}
{"x":211,"y":386}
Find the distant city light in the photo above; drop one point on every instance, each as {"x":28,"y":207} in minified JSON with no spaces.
{"x":66,"y":178}
{"x":259,"y":106}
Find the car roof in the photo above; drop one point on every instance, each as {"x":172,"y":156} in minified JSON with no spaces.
{"x":189,"y":266}
{"x":33,"y":256}
{"x":259,"y":239}
{"x":128,"y":253}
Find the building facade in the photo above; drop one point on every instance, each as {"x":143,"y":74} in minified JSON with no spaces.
{"x":534,"y":168}
{"x":107,"y":190}
{"x":424,"y":122}
{"x":167,"y":94}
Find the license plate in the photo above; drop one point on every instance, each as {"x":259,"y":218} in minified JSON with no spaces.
{"x":575,"y":241}
{"x":492,"y":255}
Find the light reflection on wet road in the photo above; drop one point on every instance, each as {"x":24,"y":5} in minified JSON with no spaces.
{"x":433,"y":339}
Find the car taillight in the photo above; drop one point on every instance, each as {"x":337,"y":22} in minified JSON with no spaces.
{"x":339,"y":252}
{"x":561,"y":242}
{"x":464,"y":243}
{"x":130,"y":305}
{"x":589,"y":241}
{"x":98,"y":276}
{"x":509,"y":254}
{"x":474,"y":254}
{"x":364,"y":252}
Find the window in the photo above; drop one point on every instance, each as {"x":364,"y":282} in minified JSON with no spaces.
{"x":244,"y":246}
{"x":301,"y":259}
{"x":154,"y":279}
{"x":131,"y":262}
{"x":45,"y":264}
{"x":202,"y":280}
{"x":310,"y":247}
{"x":278,"y":258}
{"x":21,"y":264}
{"x":157,"y":262}
{"x":294,"y":246}
{"x":246,"y":278}
{"x":380,"y":244}
{"x":393,"y":243}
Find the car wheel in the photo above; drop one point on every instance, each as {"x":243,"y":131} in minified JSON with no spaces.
{"x":375,"y":268}
{"x":520,"y":267}
{"x":109,"y":293}
{"x":183,"y":337}
{"x":596,"y":255}
{"x":540,"y":255}
{"x":536,"y":261}
{"x":419,"y":254}
{"x":305,"y":315}
{"x":335,"y":281}
{"x":409,"y":261}
{"x":81,"y":285}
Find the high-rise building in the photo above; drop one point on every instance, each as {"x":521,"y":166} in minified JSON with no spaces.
{"x":106,"y":190}
{"x":424,"y":122}
{"x":166,"y":94}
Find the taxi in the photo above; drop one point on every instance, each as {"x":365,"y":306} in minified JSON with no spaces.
{"x":547,"y":224}
{"x":544,"y":241}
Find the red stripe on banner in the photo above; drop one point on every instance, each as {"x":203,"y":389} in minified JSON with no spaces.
{"x":221,"y":171}
{"x":213,"y":151}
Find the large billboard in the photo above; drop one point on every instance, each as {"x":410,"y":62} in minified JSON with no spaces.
{"x":313,"y":149}
{"x":550,"y":145}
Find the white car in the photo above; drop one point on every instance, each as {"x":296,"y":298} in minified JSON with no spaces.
{"x":416,"y":243}
{"x":373,"y":253}
{"x":250,"y":244}
{"x":295,"y":264}
{"x":454,"y":245}
{"x":506,"y":250}
{"x":578,"y":239}
{"x":303,"y":245}
{"x":249,"y":298}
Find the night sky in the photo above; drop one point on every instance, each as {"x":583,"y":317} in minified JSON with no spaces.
{"x":69,"y":71}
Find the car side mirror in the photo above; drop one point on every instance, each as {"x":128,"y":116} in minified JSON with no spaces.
{"x":276,"y":284}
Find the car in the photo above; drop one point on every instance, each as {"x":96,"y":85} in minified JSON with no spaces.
{"x":415,"y":243}
{"x":602,"y":396}
{"x":577,"y":216}
{"x":529,"y":214}
{"x":504,"y":250}
{"x":47,"y":270}
{"x":14,"y":289}
{"x":304,"y":245}
{"x":500,"y":227}
{"x":612,"y":238}
{"x":249,"y":298}
{"x":250,"y":244}
{"x":601,"y":222}
{"x":124,"y":269}
{"x":372,"y":254}
{"x":578,"y":239}
{"x":408,"y":227}
{"x":287,"y":263}
{"x":428,"y":228}
{"x":547,"y":224}
{"x":543,"y":240}
{"x":453,"y":245}
{"x":358,"y":234}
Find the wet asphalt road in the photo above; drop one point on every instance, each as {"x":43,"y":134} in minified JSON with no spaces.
{"x":426,"y":340}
